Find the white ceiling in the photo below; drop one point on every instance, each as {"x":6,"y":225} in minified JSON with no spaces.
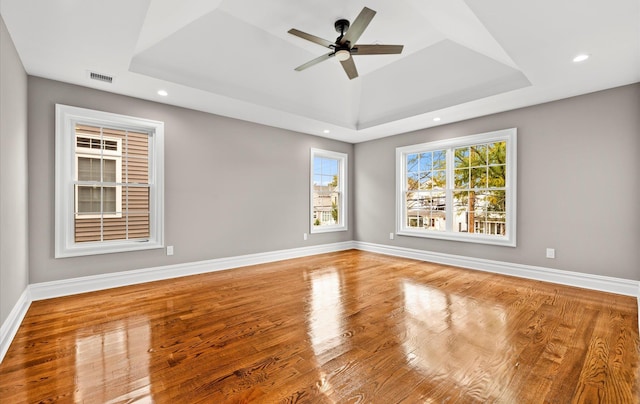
{"x":461,"y":58}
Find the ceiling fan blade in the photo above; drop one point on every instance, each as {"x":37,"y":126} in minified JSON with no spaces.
{"x":376,"y":49}
{"x":359,"y":25}
{"x":312,"y":38}
{"x":350,"y":68}
{"x":314,"y":61}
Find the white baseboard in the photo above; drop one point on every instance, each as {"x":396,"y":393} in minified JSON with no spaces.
{"x":596,"y":282}
{"x":65,"y":287}
{"x":10,"y":326}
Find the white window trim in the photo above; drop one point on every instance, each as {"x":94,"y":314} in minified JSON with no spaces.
{"x":342,"y":217}
{"x":508,"y":135}
{"x":66,"y":119}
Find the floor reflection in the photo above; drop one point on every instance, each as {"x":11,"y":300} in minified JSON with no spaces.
{"x":113,"y":365}
{"x":325,"y":321}
{"x":454,"y":336}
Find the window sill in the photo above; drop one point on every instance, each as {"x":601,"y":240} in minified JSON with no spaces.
{"x":327,"y":229}
{"x":463,"y":237}
{"x":98,"y":248}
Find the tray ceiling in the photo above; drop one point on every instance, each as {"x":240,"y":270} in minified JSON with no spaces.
{"x":461,"y":59}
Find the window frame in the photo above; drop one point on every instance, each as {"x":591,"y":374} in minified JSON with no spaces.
{"x":507,"y":135}
{"x":342,"y":190}
{"x":65,"y":174}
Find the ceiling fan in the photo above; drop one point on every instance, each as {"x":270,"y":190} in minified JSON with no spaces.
{"x":345,"y":45}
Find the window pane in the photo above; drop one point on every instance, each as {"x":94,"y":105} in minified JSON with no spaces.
{"x":138,"y":225}
{"x":317,"y":166}
{"x":413,"y":163}
{"x":439,"y":179}
{"x":425,"y":161}
{"x":426,"y":210}
{"x":325,"y":171}
{"x":326,"y":204}
{"x":135,"y":170}
{"x":495,"y":202}
{"x":461,"y":157}
{"x":413,"y":181}
{"x":425,"y":180}
{"x":88,"y":169}
{"x":109,"y":203}
{"x":464,"y":211}
{"x":478,"y":155}
{"x":329,"y":166}
{"x":135,"y":199}
{"x":462,"y":178}
{"x":497,"y":153}
{"x":88,"y":200}
{"x":497,"y":176}
{"x":440,"y":160}
{"x":414,"y":200}
{"x":479,"y":177}
{"x":136,"y":145}
{"x":109,"y":170}
{"x":480,"y":212}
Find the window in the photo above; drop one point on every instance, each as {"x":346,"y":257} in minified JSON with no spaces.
{"x":328,"y":191}
{"x":459,"y":189}
{"x":109,"y":182}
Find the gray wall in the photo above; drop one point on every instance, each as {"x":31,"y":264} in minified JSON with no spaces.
{"x":231,"y":187}
{"x":14,"y":271}
{"x":234,"y":187}
{"x":578,"y":185}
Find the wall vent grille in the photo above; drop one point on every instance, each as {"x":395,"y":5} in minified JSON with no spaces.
{"x":101,"y":77}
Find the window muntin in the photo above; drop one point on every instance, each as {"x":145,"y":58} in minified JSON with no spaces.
{"x":328,"y":191}
{"x":109,"y":182}
{"x":459,"y":189}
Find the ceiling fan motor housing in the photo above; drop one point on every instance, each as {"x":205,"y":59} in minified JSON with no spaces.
{"x":341,"y":26}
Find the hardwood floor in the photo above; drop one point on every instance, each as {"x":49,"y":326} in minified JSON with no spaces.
{"x":345,"y":327}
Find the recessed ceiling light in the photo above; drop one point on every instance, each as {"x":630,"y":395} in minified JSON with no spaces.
{"x":326,"y":131}
{"x":436,"y":119}
{"x":163,"y":93}
{"x":581,"y":58}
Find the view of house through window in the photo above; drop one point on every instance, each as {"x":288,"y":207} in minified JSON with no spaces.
{"x":109,"y":182}
{"x":328,"y":190}
{"x":462,"y":186}
{"x":112,"y":184}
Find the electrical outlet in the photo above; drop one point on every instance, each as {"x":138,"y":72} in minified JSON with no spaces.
{"x":391,"y":235}
{"x":551,"y":252}
{"x":169,"y":250}
{"x":304,"y":236}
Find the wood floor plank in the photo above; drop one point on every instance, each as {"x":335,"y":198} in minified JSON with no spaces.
{"x":345,"y":327}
